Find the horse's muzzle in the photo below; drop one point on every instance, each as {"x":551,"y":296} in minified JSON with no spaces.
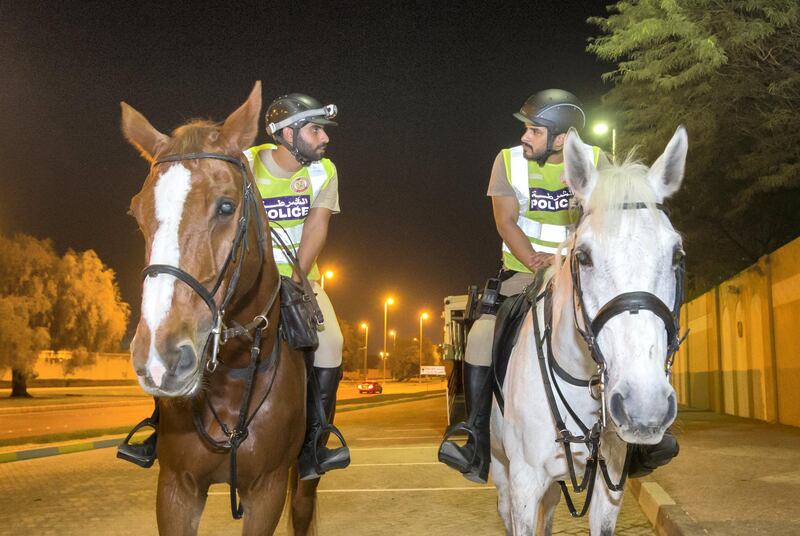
{"x":639,"y":423}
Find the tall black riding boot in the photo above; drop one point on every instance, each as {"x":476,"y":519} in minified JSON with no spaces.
{"x":315,"y":458}
{"x":473,"y":458}
{"x":142,"y":454}
{"x":647,"y":458}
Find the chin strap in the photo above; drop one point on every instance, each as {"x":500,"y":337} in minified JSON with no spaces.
{"x":293,"y":147}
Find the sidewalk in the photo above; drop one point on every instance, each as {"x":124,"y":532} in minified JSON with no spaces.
{"x":733,"y":476}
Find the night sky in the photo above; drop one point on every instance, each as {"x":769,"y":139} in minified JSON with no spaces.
{"x":425,"y":94}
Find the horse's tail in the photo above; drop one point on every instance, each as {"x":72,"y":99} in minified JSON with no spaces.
{"x":300,"y":507}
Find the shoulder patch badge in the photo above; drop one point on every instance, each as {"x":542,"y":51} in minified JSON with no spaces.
{"x":300,"y":184}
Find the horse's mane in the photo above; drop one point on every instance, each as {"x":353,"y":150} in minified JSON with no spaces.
{"x":616,"y":185}
{"x":196,"y":135}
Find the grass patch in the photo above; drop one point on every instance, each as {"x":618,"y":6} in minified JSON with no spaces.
{"x":66,"y":436}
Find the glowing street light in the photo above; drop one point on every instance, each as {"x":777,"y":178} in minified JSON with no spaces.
{"x":328,"y":274}
{"x":601,"y":129}
{"x":389,"y":301}
{"x":423,"y":316}
{"x":365,"y":327}
{"x":393,"y":335}
{"x":384,"y":357}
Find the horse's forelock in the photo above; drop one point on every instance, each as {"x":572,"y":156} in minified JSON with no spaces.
{"x":196,"y":135}
{"x":619,"y":184}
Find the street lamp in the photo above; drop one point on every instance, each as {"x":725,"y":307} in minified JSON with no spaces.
{"x":601,"y":129}
{"x":393,"y":335}
{"x":329,"y":275}
{"x":365,"y":327}
{"x":423,"y":316}
{"x":384,"y":357}
{"x":389,"y":301}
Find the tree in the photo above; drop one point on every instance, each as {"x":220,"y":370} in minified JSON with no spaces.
{"x":730,"y":71}
{"x":353,"y":349}
{"x":27,"y":291}
{"x":71,"y":303}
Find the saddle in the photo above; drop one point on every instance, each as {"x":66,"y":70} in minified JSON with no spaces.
{"x":510,"y":316}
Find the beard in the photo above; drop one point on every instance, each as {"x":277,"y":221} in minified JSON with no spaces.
{"x":530,"y":154}
{"x":309,"y":151}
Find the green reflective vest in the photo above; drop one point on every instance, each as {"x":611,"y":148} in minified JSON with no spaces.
{"x":544,"y":203}
{"x":287,"y":201}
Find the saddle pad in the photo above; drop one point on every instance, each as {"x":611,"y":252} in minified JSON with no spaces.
{"x":506,"y":330}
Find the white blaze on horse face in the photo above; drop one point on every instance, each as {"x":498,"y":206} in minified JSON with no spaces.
{"x":171,"y":191}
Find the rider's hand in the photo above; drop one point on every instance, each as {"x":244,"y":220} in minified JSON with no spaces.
{"x":540,"y":260}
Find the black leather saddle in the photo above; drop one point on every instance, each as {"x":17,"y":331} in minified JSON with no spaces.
{"x":510,"y":316}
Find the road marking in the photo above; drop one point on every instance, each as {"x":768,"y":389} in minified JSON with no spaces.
{"x":396,"y":437}
{"x":391,"y":464}
{"x":396,"y":448}
{"x":383,"y":490}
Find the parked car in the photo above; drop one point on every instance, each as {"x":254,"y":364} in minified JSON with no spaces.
{"x":370,"y":387}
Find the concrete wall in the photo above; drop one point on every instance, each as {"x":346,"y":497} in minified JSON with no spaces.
{"x":50,"y":366}
{"x":742,"y":356}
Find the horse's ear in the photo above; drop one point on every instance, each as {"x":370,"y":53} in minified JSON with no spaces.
{"x":667,"y":172}
{"x":241,"y":127}
{"x":579,"y":171}
{"x":140,"y":133}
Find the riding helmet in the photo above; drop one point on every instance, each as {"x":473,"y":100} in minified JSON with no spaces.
{"x":555,"y":109}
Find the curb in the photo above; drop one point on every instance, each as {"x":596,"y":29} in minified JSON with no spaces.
{"x":30,"y":454}
{"x":43,"y":452}
{"x":87,"y":405}
{"x":664,"y":514}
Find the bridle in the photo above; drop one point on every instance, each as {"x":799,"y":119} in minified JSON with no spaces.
{"x":219,"y":333}
{"x":234,"y":435}
{"x":630,"y":302}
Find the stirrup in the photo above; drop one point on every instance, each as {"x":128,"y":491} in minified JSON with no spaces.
{"x":339,"y":459}
{"x":139,"y":453}
{"x":450,"y":453}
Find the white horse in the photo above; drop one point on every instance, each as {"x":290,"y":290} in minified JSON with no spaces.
{"x":624,"y":247}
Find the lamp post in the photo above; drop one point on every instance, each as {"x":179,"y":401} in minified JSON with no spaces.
{"x":423,"y":316}
{"x":393,"y":335}
{"x":328,"y":274}
{"x":389,"y":301}
{"x":601,"y":129}
{"x":384,"y":357}
{"x":365,"y":327}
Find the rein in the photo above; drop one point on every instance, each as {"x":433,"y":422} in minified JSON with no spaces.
{"x":220,"y":333}
{"x":631,"y":302}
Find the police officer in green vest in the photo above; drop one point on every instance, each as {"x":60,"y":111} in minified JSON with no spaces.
{"x":299,"y":189}
{"x":531,"y":206}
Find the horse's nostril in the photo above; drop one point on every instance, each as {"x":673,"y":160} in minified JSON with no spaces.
{"x":617,"y":408}
{"x":186,"y":360}
{"x":672,"y":410}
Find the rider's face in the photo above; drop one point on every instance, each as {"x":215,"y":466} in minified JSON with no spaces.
{"x":312,"y":141}
{"x":534,"y":142}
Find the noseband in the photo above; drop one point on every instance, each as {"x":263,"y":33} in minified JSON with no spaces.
{"x":631,"y":302}
{"x":235,"y":255}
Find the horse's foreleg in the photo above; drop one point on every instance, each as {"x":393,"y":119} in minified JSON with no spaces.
{"x":263,"y":504}
{"x":527,"y":487}
{"x":606,"y":504}
{"x":500,"y":477}
{"x":547,"y":508}
{"x":179,"y":503}
{"x":304,"y":505}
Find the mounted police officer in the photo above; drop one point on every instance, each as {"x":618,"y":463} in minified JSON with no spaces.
{"x":299,"y":189}
{"x":300,"y":192}
{"x":532,"y":212}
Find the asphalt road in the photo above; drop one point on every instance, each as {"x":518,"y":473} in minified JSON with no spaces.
{"x":394,"y":486}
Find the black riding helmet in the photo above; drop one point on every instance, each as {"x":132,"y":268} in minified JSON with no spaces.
{"x":294,"y":111}
{"x":555,"y":109}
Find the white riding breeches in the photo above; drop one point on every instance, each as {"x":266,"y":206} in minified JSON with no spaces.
{"x":329,"y":353}
{"x":481,"y":334}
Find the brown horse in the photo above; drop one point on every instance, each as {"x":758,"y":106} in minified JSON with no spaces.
{"x":210,"y":266}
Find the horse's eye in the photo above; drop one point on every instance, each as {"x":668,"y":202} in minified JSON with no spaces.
{"x":677,"y":256}
{"x":226,"y":208}
{"x":584,"y":259}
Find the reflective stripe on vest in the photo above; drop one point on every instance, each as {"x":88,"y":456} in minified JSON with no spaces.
{"x":288,"y":201}
{"x":539,"y":186}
